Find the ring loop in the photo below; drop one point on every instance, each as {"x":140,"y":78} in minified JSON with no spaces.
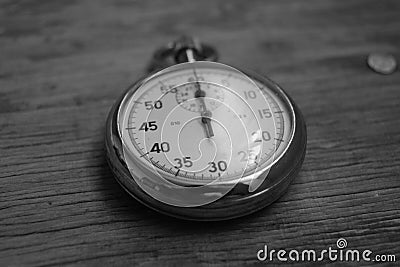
{"x":171,"y":53}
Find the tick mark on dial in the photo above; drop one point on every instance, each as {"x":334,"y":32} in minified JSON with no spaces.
{"x":144,"y":154}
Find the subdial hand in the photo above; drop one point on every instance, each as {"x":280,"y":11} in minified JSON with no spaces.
{"x":205,"y":113}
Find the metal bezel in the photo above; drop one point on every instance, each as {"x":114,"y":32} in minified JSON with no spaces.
{"x":249,"y":174}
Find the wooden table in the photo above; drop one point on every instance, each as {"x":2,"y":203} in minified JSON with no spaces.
{"x":63,"y":63}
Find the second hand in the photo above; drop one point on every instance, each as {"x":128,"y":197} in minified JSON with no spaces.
{"x":200,"y":94}
{"x":205,"y":114}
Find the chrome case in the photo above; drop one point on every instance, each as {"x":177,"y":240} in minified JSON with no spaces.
{"x":239,"y":201}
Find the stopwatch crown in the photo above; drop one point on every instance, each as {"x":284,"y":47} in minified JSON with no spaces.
{"x":175,"y":53}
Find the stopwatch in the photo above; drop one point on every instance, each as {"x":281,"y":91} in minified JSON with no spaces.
{"x":201,"y":140}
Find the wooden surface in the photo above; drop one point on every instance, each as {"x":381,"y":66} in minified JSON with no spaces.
{"x":63,"y":63}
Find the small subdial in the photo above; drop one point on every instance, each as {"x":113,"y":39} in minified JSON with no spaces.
{"x":186,"y":96}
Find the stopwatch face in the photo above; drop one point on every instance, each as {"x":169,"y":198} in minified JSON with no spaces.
{"x":201,"y":123}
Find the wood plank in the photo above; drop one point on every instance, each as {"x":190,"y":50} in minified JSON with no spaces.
{"x":63,"y":64}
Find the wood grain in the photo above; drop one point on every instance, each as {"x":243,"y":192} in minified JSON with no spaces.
{"x":63,"y":63}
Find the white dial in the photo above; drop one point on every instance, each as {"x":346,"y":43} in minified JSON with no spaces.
{"x":197,"y":122}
